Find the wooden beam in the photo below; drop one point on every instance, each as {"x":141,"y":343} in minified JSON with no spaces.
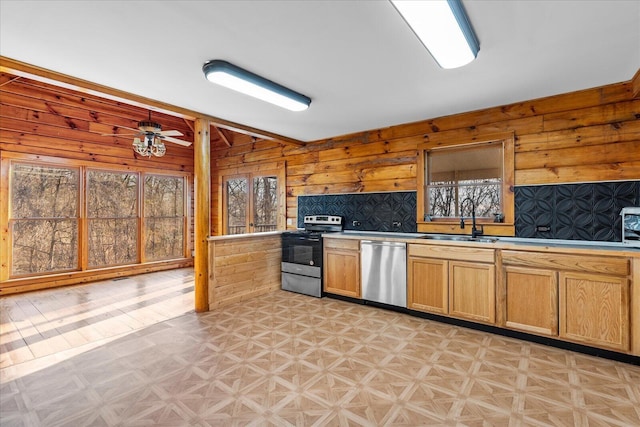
{"x":257,"y":134}
{"x":635,"y":85}
{"x":202,"y":220}
{"x":10,"y":81}
{"x":188,"y":123}
{"x":223,"y":136}
{"x":22,"y":69}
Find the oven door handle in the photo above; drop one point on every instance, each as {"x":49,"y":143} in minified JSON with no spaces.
{"x":307,"y":239}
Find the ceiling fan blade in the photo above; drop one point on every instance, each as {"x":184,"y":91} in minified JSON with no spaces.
{"x":132,"y":129}
{"x":175,"y":141}
{"x":171,"y":133}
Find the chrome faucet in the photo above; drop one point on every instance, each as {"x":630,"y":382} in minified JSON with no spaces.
{"x":475,"y":231}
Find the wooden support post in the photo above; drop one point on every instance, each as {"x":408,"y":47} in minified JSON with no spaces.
{"x":202,"y":220}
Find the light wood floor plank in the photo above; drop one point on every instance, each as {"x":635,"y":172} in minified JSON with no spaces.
{"x":42,"y":323}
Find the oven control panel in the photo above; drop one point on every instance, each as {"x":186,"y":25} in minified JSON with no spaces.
{"x":323,"y":219}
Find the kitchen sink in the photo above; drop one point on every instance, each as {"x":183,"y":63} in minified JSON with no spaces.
{"x":457,"y":238}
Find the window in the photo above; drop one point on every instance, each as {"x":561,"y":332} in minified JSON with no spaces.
{"x":459,"y":180}
{"x":252,"y":202}
{"x":112,"y":218}
{"x":255,"y":213}
{"x":44,"y":218}
{"x":455,"y":178}
{"x":164,"y":215}
{"x":237,"y":204}
{"x":82,"y":218}
{"x":265,"y":203}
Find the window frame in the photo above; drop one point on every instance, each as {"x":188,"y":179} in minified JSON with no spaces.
{"x":10,"y":221}
{"x":249,"y":172}
{"x":456,"y":181}
{"x":85,"y":171}
{"x":7,"y":159}
{"x":451,"y":225}
{"x":225,"y":203}
{"x":143,"y":217}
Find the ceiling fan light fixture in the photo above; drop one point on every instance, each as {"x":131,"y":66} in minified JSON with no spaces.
{"x":443,"y":28}
{"x":235,"y":78}
{"x":151,"y":146}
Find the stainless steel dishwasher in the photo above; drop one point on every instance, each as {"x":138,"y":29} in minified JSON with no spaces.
{"x":384,"y":272}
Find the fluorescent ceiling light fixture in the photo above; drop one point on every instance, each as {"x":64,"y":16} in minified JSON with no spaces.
{"x":443,"y":28}
{"x":238,"y":79}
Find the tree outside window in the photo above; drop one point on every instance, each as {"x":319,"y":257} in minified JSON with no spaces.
{"x":44,"y":218}
{"x":50,"y":231}
{"x":164,"y":217}
{"x":459,"y":180}
{"x":265,"y":203}
{"x":251,"y":203}
{"x":112,"y":213}
{"x":251,"y":199}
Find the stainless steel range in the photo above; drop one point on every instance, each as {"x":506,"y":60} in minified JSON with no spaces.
{"x":302,"y":254}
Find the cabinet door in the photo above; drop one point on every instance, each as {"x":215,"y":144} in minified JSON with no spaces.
{"x":472,"y":291}
{"x":428,"y":288}
{"x":342,"y":272}
{"x":594,"y":310}
{"x":532,"y":300}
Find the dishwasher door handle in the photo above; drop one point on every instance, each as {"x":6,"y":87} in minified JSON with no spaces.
{"x":375,"y":243}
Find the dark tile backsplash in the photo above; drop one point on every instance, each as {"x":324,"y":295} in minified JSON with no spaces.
{"x":369,"y":211}
{"x":587,"y":211}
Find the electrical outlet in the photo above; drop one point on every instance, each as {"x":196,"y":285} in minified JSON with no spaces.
{"x":289,"y":221}
{"x":543,"y":228}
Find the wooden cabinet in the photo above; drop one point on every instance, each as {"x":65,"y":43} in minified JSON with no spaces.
{"x":582,"y":298}
{"x":594,"y":310}
{"x":531,"y":300}
{"x":472,"y":291}
{"x":428,"y":285}
{"x":458,"y":281}
{"x":342,"y":267}
{"x":579,"y":298}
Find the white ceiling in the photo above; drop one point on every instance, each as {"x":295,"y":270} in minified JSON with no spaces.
{"x":358,"y":61}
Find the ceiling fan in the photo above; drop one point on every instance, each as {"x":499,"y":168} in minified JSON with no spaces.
{"x":149,"y":138}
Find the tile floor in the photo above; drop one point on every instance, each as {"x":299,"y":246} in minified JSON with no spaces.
{"x":289,"y":360}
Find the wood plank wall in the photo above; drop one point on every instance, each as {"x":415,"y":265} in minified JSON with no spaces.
{"x":584,"y":136}
{"x":38,"y":118}
{"x":241,"y":268}
{"x":589,"y":135}
{"x":44,"y":120}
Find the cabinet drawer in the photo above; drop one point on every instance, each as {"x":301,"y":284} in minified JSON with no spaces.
{"x":459,"y":253}
{"x":350,"y":244}
{"x":618,"y":266}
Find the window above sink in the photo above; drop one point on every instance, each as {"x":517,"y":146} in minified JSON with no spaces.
{"x":458,"y":177}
